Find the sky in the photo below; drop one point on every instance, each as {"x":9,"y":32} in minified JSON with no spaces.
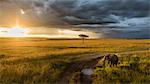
{"x":102,"y":18}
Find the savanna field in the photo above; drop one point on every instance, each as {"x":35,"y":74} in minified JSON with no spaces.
{"x":51,"y":61}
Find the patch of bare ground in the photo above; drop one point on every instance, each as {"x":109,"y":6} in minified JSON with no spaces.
{"x":77,"y":67}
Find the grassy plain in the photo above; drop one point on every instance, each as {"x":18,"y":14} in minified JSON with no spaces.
{"x":42,"y":60}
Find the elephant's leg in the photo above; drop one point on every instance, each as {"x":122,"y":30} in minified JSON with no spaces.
{"x":116,"y":64}
{"x":111,"y":64}
{"x":108,"y":61}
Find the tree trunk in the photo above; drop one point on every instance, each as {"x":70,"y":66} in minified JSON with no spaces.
{"x":82,"y":40}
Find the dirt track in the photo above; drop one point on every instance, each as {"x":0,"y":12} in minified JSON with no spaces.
{"x":77,"y":67}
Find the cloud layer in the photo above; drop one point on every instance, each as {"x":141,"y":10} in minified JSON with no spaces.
{"x":130,"y":17}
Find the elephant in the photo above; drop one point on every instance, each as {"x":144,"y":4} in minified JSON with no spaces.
{"x":111,"y":58}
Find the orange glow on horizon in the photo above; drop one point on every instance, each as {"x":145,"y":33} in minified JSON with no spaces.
{"x":15,"y":31}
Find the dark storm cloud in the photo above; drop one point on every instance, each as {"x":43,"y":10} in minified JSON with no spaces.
{"x":84,"y":11}
{"x":101,"y":10}
{"x":123,"y":14}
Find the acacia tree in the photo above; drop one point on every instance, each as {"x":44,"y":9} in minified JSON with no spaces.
{"x":83,"y":36}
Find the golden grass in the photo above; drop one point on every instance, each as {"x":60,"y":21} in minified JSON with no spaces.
{"x":40,"y":60}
